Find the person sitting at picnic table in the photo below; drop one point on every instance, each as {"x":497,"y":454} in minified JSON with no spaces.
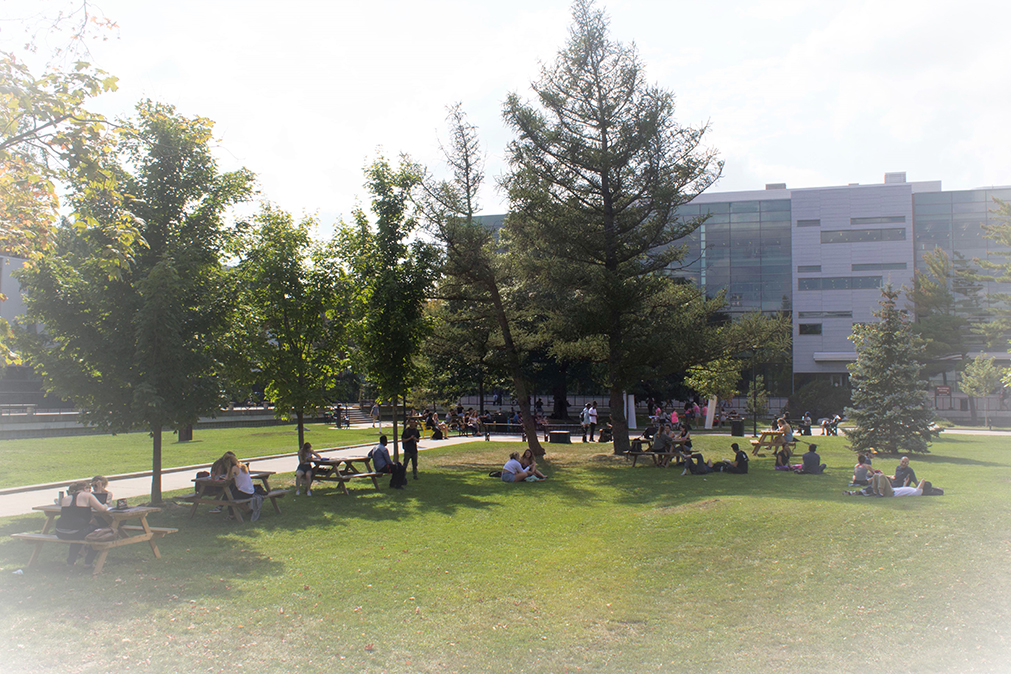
{"x":904,"y":475}
{"x":862,"y":470}
{"x":75,"y":521}
{"x":529,"y":463}
{"x":100,"y":489}
{"x":303,"y":474}
{"x":513,"y":470}
{"x":381,"y":461}
{"x":812,"y":462}
{"x":786,"y":429}
{"x":242,"y":486}
{"x":662,"y":441}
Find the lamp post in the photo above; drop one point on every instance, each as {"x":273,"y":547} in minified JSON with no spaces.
{"x":754,"y":400}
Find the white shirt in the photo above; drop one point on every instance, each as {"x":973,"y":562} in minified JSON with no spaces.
{"x":907,"y":491}
{"x":513,"y":466}
{"x":593,"y":415}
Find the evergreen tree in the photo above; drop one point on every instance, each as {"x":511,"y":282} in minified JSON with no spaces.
{"x":890,"y":404}
{"x":597,"y":172}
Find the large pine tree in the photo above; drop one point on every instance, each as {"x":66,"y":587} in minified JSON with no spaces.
{"x":890,"y":404}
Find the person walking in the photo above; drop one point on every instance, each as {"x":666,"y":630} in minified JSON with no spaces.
{"x":592,"y":417}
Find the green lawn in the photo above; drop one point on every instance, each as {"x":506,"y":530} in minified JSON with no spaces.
{"x":38,"y":460}
{"x":602,"y":568}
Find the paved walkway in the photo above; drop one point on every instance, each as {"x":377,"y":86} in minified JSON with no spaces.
{"x":20,"y":500}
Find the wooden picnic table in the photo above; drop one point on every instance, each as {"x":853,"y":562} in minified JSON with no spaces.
{"x":116,"y":518}
{"x":660,"y":459}
{"x":769,"y":438}
{"x":217,"y":492}
{"x":343,"y":469}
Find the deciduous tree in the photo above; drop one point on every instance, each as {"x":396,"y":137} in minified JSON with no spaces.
{"x":142,"y":349}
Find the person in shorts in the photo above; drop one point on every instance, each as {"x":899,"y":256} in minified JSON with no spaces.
{"x":303,"y":474}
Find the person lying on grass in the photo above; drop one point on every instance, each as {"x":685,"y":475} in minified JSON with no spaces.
{"x":530,"y":464}
{"x":513,"y":470}
{"x":881,"y":485}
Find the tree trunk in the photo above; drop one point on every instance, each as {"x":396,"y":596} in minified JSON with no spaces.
{"x":156,"y":464}
{"x":480,"y":392}
{"x":973,"y":418}
{"x":396,"y":443}
{"x":559,"y":392}
{"x":299,"y":416}
{"x":519,"y":383}
{"x":619,"y":423}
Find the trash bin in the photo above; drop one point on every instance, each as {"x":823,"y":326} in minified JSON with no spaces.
{"x":737,"y":428}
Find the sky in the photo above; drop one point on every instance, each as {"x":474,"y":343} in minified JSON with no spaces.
{"x":306,"y":93}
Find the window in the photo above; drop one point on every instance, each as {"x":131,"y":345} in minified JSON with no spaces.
{"x":824,"y":314}
{"x":882,"y":220}
{"x":808,"y":268}
{"x":809,"y":223}
{"x":809,"y":328}
{"x":863,"y":235}
{"x":839,"y":283}
{"x":879,"y":266}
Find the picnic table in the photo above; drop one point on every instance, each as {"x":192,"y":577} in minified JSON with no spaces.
{"x":216,"y":491}
{"x":771,"y":439}
{"x":116,"y":518}
{"x":660,"y":459}
{"x":343,"y":469}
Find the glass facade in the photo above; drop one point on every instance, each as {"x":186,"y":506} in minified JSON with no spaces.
{"x":952,"y":221}
{"x":744,"y":248}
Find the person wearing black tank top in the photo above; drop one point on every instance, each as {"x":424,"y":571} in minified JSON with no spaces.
{"x":75,"y":521}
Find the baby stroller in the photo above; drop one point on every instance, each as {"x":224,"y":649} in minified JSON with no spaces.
{"x":831,"y":427}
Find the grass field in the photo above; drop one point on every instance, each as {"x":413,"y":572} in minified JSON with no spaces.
{"x":602,"y":568}
{"x":38,"y":460}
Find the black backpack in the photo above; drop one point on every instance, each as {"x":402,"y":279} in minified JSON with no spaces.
{"x":398,"y":477}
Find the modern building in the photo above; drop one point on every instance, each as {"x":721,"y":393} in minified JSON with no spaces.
{"x":823,"y":253}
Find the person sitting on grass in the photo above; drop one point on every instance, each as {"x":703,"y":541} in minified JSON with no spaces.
{"x":738,"y":465}
{"x":812,"y":464}
{"x":100,"y":488}
{"x":75,"y":521}
{"x":529,"y":464}
{"x":862,"y":471}
{"x":381,"y":461}
{"x":904,"y":475}
{"x":303,"y":474}
{"x":782,"y":455}
{"x":513,"y":470}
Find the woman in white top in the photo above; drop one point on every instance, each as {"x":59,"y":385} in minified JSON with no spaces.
{"x":513,"y":470}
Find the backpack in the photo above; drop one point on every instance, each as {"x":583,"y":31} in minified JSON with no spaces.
{"x":398,"y":477}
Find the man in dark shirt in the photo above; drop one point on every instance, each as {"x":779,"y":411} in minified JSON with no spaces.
{"x":740,"y":463}
{"x":410,"y":441}
{"x":904,"y":475}
{"x":812,"y":462}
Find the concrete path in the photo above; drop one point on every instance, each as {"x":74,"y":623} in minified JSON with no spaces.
{"x":20,"y":500}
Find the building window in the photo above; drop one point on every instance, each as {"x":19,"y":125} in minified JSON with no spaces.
{"x":882,"y":220}
{"x":863,"y":235}
{"x":839,"y":283}
{"x":809,"y":223}
{"x":809,"y":328}
{"x":808,"y":268}
{"x":879,"y":266}
{"x":824,"y":314}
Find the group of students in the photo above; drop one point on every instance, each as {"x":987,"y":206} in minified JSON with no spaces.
{"x":876,"y":483}
{"x":693,"y":462}
{"x":522,"y":468}
{"x":77,"y":518}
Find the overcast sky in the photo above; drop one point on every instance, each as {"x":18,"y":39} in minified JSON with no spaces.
{"x":305,"y":93}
